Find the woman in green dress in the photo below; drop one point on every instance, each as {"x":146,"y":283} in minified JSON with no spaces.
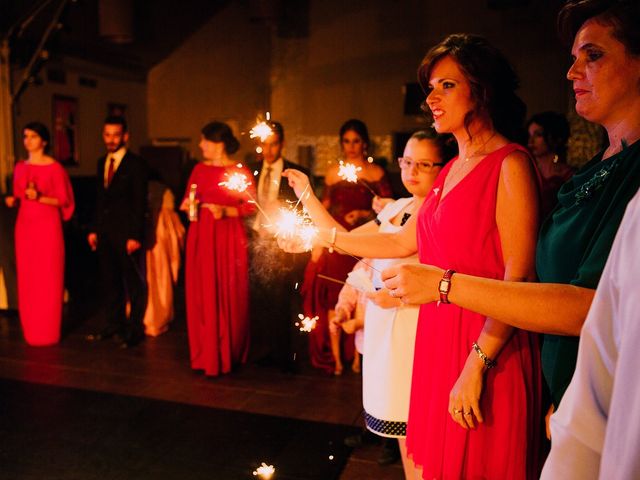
{"x":575,"y":240}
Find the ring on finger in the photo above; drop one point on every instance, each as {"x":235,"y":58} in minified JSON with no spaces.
{"x":456,"y":411}
{"x":467,"y":413}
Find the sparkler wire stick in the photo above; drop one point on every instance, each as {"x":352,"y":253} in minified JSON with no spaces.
{"x":331,"y":279}
{"x":362,"y":182}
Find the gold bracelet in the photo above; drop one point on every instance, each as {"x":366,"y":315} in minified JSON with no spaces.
{"x":332,"y":243}
{"x":486,"y":360}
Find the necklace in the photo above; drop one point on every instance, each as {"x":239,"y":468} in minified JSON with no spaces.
{"x":480,"y":149}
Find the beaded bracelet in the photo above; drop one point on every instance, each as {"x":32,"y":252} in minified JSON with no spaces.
{"x":486,"y":360}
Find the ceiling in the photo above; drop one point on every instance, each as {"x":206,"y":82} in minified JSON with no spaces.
{"x":158,"y":27}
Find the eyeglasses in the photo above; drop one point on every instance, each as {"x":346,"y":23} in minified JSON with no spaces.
{"x":422,"y":166}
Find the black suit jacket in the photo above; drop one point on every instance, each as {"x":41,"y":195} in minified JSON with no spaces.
{"x":285,"y":192}
{"x":122,"y":206}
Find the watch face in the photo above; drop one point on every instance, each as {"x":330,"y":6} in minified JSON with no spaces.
{"x":443,"y":286}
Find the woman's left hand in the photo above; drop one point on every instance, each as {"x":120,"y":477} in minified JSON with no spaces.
{"x":413,"y":283}
{"x":464,"y":399}
{"x":383,"y":299}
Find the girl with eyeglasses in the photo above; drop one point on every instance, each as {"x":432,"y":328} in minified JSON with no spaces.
{"x":390,"y":326}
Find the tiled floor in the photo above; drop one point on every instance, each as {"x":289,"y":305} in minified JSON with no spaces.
{"x":159,"y":369}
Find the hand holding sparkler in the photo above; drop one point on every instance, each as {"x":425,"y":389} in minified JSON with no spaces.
{"x":383,"y":299}
{"x":413,"y":283}
{"x":299,"y":181}
{"x":296,"y":228}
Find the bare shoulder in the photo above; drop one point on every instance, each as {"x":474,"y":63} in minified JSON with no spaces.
{"x":331,"y":175}
{"x":517,"y":164}
{"x":375,"y":172}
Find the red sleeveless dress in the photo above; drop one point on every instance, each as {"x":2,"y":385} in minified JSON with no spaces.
{"x":460,"y":232}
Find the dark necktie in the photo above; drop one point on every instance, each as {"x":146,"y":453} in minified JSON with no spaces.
{"x":111,"y":170}
{"x":266,"y":186}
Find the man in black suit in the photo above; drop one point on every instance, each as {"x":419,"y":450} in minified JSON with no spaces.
{"x":117,"y":237}
{"x":275,"y":275}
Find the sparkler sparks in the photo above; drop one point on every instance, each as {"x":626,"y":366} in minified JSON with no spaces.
{"x":264,"y":471}
{"x":294,"y":224}
{"x":348,"y":171}
{"x":262,"y":129}
{"x":236,"y":182}
{"x":306,"y":324}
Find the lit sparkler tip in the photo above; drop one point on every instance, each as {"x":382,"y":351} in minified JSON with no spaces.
{"x":294,"y":224}
{"x":262,"y":129}
{"x":306,"y":324}
{"x":348,"y":171}
{"x":236,"y":182}
{"x":264,"y":471}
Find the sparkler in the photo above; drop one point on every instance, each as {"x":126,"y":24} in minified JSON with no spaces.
{"x":349,"y":172}
{"x":238,"y":182}
{"x":295,"y":224}
{"x":264,"y":471}
{"x":262,"y":129}
{"x":306,"y":324}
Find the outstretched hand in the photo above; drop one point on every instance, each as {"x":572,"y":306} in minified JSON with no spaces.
{"x":291,"y":244}
{"x":297,"y":180}
{"x":413,"y":283}
{"x":383,"y":299}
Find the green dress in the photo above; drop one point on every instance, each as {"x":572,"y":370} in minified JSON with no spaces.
{"x":575,"y":240}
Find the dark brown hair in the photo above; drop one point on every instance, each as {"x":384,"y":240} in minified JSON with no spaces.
{"x":357,"y":126}
{"x":42,"y":131}
{"x":444,"y":142}
{"x":622,"y":15}
{"x":221,"y":132}
{"x":492,"y":79}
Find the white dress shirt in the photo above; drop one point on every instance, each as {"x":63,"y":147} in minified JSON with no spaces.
{"x":268,"y":192}
{"x":596,"y":430}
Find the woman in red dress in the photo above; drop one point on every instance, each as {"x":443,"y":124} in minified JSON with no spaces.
{"x":468,"y":420}
{"x":350,"y":204}
{"x":43,"y":193}
{"x":216,"y":282}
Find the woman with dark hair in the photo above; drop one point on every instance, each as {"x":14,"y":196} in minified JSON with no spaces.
{"x":466,"y":418}
{"x":216,"y":276}
{"x":548,"y":137}
{"x":42,"y":191}
{"x":575,"y":240}
{"x":389,"y":325}
{"x":350,"y":205}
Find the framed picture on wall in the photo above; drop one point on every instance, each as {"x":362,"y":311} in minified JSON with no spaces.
{"x":117,"y":109}
{"x":65,"y":129}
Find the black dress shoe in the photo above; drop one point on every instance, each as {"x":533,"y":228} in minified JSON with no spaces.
{"x":358,"y":440}
{"x":105,"y":334}
{"x":131,"y":341}
{"x":390,"y":452}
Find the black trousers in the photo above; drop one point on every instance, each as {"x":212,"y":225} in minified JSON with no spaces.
{"x":275,"y":281}
{"x":122,"y":278}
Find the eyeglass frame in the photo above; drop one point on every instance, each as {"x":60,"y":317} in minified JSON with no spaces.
{"x":421,"y":165}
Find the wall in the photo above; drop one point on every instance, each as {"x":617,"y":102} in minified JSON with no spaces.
{"x":359,"y":55}
{"x":112,"y":86}
{"x":221,"y":72}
